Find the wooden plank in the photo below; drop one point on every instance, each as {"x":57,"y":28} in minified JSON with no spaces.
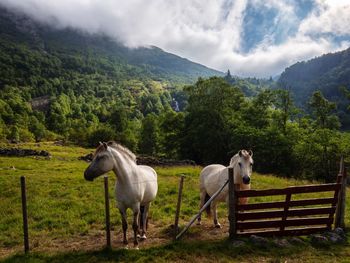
{"x":279,"y":223}
{"x":280,"y":204}
{"x":337,"y":197}
{"x":290,"y":190}
{"x":279,"y":213}
{"x":286,"y":232}
{"x":259,"y":215}
{"x":285,"y":212}
{"x":194,"y":218}
{"x":232,"y":204}
{"x":311,"y":211}
{"x":340,"y":215}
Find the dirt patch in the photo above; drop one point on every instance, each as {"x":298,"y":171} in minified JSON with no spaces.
{"x":157,"y":235}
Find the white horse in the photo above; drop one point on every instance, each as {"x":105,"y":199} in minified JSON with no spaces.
{"x":136,"y":185}
{"x":213,"y":176}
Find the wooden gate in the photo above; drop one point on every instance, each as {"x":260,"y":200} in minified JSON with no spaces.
{"x":294,"y":215}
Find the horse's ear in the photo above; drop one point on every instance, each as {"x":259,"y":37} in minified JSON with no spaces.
{"x":250,"y":153}
{"x":105,"y":145}
{"x":240,"y":153}
{"x":100,"y":143}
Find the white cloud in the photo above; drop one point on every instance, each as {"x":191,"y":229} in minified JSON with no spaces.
{"x":329,"y":17}
{"x":209,"y":32}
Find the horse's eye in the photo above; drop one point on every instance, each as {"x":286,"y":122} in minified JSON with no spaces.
{"x":251,"y":164}
{"x":98,"y":158}
{"x":240,"y":165}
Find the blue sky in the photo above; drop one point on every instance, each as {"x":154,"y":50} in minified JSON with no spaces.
{"x":249,"y":37}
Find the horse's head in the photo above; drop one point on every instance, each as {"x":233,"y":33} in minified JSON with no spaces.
{"x":102,"y":162}
{"x":243,"y":165}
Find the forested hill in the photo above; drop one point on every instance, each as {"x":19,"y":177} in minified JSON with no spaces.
{"x":61,"y":83}
{"x":327,"y":73}
{"x":69,"y":49}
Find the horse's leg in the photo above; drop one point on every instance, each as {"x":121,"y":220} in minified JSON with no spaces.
{"x":142,"y":211}
{"x":216,"y":223}
{"x":125,"y":226}
{"x":202,"y":198}
{"x":135,"y":226}
{"x":144,"y":221}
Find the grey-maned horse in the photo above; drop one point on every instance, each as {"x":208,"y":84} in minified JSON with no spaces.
{"x":213,"y":176}
{"x":136,"y":185}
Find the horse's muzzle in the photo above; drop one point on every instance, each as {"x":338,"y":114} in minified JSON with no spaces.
{"x":88,"y":178}
{"x":246,"y":179}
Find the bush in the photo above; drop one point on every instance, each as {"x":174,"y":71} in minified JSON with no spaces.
{"x":102,"y":134}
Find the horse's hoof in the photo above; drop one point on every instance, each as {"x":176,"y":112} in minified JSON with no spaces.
{"x":143,"y":237}
{"x":136,"y":248}
{"x":217,"y":225}
{"x":199,"y":223}
{"x":126,"y":247}
{"x":138,"y":236}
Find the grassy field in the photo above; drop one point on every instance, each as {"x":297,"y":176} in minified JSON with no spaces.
{"x":66,"y":217}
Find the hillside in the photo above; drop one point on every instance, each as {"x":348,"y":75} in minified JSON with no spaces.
{"x":91,"y":52}
{"x":59,"y":83}
{"x":326,"y":73}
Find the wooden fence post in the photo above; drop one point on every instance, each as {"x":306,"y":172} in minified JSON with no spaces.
{"x":178,"y":206}
{"x":340,"y":213}
{"x":108,"y":224}
{"x":231,"y":204}
{"x":24,"y":213}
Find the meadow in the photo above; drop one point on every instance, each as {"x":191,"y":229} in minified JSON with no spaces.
{"x":66,"y":217}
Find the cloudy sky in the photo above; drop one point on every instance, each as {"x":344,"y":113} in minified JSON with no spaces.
{"x":249,"y":37}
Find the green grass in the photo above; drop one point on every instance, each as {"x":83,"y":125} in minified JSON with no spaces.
{"x":64,"y":209}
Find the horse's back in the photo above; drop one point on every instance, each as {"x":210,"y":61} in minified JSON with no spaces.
{"x":211,"y":178}
{"x":148,"y":170}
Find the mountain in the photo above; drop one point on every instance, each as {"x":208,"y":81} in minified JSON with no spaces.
{"x":66,"y":84}
{"x":327,"y":73}
{"x":92,"y":52}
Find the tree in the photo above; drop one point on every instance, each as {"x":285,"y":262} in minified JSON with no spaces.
{"x":285,"y":108}
{"x":149,"y":141}
{"x":323,"y":111}
{"x":258,"y":112}
{"x":213,"y":110}
{"x":171,"y":127}
{"x":103,"y":133}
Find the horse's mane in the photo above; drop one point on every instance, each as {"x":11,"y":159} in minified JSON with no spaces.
{"x":118,"y":147}
{"x":234,"y":159}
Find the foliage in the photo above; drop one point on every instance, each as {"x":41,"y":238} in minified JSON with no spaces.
{"x":328,"y":73}
{"x":149,"y":143}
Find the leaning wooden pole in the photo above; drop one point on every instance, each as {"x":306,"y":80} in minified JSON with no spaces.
{"x":108,"y":223}
{"x":25,"y":215}
{"x":340,"y":213}
{"x":231,"y":204}
{"x":201,"y":211}
{"x":178,"y":206}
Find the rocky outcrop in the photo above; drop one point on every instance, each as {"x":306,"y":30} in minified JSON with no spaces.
{"x":23,"y":152}
{"x":148,"y":160}
{"x":152,"y":161}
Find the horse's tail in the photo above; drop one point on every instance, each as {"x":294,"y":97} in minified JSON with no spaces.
{"x":208,"y":210}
